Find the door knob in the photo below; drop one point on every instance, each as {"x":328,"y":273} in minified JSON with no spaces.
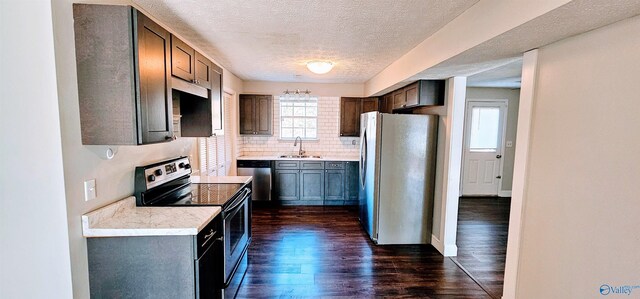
{"x":498,"y":156}
{"x":499,"y":177}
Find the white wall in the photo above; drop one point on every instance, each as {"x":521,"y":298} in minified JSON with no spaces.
{"x":34,"y":242}
{"x":318,"y":89}
{"x":114,"y":178}
{"x":580,"y":215}
{"x":513,"y":98}
{"x":448,"y":165}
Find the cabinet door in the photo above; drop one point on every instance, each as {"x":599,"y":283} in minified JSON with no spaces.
{"x":399,"y":99}
{"x":264,"y":115}
{"x":155,"y":107}
{"x":369,"y":104}
{"x":334,"y":189}
{"x":216,"y":97}
{"x":182,"y":60}
{"x":286,"y":185}
{"x":350,"y":110}
{"x":203,"y":68}
{"x":247,"y":114}
{"x":411,"y":94}
{"x":312,"y":184}
{"x":386,"y":104}
{"x":352,"y":183}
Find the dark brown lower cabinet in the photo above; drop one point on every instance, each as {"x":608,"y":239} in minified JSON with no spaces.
{"x":287,"y":184}
{"x":312,"y":185}
{"x":352,"y":182}
{"x":172,"y":266}
{"x":315,"y":183}
{"x":334,"y":187}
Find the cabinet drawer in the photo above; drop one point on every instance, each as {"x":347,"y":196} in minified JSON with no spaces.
{"x":287,"y":164}
{"x":311,"y":165}
{"x":208,"y":234}
{"x":334,"y":165}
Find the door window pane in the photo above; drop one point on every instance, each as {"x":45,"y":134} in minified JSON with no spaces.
{"x":485,"y":124}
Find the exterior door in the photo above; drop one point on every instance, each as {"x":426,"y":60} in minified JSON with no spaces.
{"x":483,"y":147}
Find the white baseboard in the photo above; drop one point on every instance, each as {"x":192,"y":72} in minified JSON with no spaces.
{"x":505,"y":193}
{"x":446,"y":250}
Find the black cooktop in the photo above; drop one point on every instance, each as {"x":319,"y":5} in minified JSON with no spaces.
{"x":208,"y":194}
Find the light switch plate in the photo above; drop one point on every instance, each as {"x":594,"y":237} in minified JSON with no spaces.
{"x":89,"y":190}
{"x":509,"y":143}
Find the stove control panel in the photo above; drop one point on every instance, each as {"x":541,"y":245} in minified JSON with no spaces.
{"x":157,"y":174}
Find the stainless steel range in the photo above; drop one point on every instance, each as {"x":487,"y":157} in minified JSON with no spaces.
{"x":168,"y":183}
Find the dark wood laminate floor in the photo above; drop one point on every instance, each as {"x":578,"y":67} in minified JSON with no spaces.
{"x":312,"y":252}
{"x":483,"y":224}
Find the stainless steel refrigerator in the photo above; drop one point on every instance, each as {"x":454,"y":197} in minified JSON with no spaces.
{"x":397,"y":174}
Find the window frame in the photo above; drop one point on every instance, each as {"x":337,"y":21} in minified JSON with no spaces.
{"x":293,"y":99}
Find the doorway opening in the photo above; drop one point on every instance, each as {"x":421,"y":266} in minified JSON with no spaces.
{"x":491,"y":115}
{"x":484,"y":145}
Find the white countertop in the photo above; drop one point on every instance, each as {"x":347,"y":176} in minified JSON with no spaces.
{"x":324,"y":158}
{"x":221,"y":179}
{"x":123,"y":218}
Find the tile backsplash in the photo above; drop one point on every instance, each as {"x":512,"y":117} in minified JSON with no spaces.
{"x":329,"y":141}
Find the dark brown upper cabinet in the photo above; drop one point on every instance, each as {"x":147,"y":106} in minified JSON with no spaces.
{"x":189,"y":65}
{"x":350,"y":110}
{"x":370,"y":104}
{"x":203,"y":69}
{"x":256,"y":114}
{"x":386,"y":104}
{"x":420,"y":93}
{"x":183,"y":60}
{"x":123,"y":76}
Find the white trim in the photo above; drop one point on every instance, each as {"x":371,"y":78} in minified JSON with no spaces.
{"x":452,"y":162}
{"x":465,"y":143}
{"x":504,"y":193}
{"x":518,"y":198}
{"x":437,"y":244}
{"x":446,"y":250}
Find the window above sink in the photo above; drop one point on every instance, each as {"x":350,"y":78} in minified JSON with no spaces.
{"x":298,"y":117}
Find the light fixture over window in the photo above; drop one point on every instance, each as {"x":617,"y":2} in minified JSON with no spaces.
{"x":319,"y":67}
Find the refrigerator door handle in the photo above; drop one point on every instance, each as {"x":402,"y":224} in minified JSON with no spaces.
{"x":363,"y":159}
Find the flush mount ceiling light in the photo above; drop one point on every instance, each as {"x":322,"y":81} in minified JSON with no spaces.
{"x":319,"y":67}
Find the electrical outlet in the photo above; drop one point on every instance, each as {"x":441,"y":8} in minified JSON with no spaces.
{"x":89,"y":190}
{"x":509,"y":143}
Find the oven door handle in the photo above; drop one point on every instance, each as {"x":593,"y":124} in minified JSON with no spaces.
{"x":246,"y":193}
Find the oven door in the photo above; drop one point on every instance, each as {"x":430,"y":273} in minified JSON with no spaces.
{"x":237,"y":225}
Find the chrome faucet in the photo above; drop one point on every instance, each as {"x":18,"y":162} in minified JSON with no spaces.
{"x":300,"y":151}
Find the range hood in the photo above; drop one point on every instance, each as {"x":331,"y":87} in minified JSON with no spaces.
{"x":189,"y":88}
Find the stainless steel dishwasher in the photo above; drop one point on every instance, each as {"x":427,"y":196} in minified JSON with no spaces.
{"x":261,"y":172}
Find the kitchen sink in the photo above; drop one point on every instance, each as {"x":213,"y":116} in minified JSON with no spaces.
{"x":300,"y":157}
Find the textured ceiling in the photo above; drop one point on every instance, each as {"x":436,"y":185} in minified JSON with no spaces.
{"x":576,"y":17}
{"x":505,"y":76}
{"x":266,"y":40}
